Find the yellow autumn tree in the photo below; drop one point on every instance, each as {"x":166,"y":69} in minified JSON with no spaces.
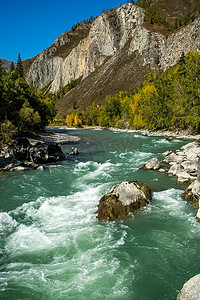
{"x":73,"y":120}
{"x":77,"y":122}
{"x":143,"y":106}
{"x":67,"y":120}
{"x":70,"y":120}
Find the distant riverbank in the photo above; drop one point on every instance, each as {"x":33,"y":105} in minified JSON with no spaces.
{"x":180,"y":134}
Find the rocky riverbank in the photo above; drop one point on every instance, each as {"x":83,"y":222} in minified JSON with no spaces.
{"x":27,"y":153}
{"x":179,"y":134}
{"x":185,"y":164}
{"x":182,"y":163}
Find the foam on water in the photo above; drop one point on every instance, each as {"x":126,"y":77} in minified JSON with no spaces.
{"x":94,"y":168}
{"x":170,"y":203}
{"x":7,"y":223}
{"x":27,"y":239}
{"x":132,"y":158}
{"x":76,"y":246}
{"x":156,"y":142}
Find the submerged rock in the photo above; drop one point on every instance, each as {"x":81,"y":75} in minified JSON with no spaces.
{"x":74,"y":151}
{"x":59,"y":138}
{"x":166,"y":153}
{"x":41,"y":168}
{"x":191,"y":289}
{"x":17,"y":169}
{"x":125,"y":197}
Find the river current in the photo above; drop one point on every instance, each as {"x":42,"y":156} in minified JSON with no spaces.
{"x":53,"y":247}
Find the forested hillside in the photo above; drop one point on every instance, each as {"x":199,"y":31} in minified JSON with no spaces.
{"x":171,"y":14}
{"x":168,"y":100}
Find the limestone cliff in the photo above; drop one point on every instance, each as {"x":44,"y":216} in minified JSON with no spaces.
{"x":115,"y":52}
{"x":107,"y":35}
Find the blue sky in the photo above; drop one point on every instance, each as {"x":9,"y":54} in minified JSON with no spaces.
{"x":31,"y":26}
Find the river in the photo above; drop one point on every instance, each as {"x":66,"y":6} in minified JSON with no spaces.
{"x":53,"y":247}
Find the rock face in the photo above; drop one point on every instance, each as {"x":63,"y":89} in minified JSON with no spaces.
{"x":108,"y":34}
{"x":125,"y":197}
{"x":99,"y":51}
{"x":191,"y":289}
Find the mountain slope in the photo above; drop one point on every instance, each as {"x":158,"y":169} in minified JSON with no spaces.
{"x":113,"y":53}
{"x":173,"y":8}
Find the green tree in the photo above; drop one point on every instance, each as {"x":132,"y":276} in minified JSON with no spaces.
{"x":29,"y":119}
{"x":182,"y":59}
{"x":7,"y":132}
{"x":19,"y":67}
{"x":113,"y":106}
{"x":186,"y":95}
{"x":15,"y":92}
{"x":12,"y":66}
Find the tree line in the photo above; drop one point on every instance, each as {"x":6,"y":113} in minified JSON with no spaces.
{"x":168,"y":100}
{"x":85,"y":21}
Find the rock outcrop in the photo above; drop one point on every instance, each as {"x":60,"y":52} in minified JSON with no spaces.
{"x":191,"y":289}
{"x":125,"y":197}
{"x":115,"y":43}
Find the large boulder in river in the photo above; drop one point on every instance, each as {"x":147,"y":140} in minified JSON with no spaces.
{"x":125,"y":197}
{"x":191,"y":289}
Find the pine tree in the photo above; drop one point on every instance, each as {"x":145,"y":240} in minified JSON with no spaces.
{"x":19,"y":67}
{"x":12,"y":66}
{"x":182,"y":59}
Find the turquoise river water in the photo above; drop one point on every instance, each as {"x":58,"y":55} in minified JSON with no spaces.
{"x":53,"y":247}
